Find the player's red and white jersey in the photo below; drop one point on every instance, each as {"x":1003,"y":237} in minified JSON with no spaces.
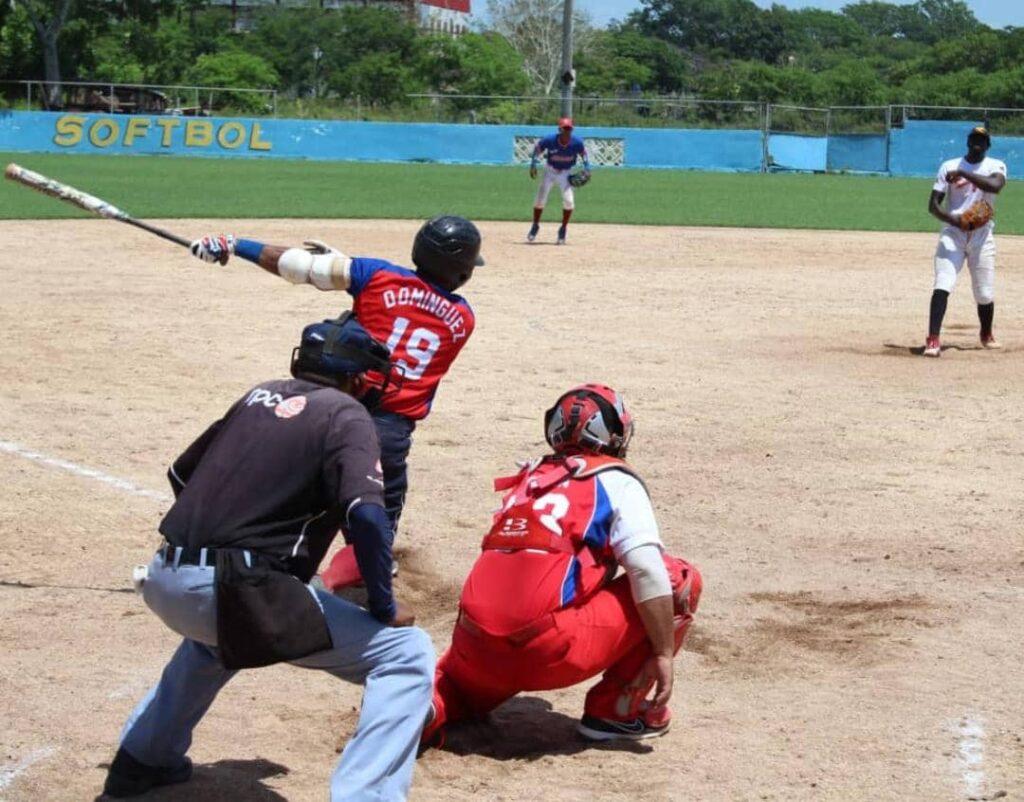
{"x":423,"y":326}
{"x":555,"y":541}
{"x":962,"y":193}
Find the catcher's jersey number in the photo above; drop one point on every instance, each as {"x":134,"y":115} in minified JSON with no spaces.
{"x":420,"y":347}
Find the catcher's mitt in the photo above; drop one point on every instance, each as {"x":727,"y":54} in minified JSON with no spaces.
{"x":977,"y":215}
{"x":580,"y":178}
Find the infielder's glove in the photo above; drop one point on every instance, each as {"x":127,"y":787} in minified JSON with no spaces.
{"x":580,"y":178}
{"x":977,"y":216}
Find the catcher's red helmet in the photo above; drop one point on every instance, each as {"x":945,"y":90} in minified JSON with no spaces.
{"x":592,"y":417}
{"x":565,"y":122}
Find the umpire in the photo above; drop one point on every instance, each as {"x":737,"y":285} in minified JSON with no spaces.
{"x":259,"y":497}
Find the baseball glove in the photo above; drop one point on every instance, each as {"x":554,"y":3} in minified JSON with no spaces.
{"x":977,"y":215}
{"x":580,"y":178}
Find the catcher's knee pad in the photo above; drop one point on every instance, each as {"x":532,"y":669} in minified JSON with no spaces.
{"x":687,"y":584}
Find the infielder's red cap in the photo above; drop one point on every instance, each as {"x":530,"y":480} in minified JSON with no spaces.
{"x":565,"y":122}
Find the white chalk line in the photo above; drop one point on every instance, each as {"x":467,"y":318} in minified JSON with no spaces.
{"x":84,"y":471}
{"x":9,"y":772}
{"x":970,"y":758}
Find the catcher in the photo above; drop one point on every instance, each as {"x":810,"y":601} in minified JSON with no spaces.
{"x":540,"y":609}
{"x":971,"y":184}
{"x":563,"y":149}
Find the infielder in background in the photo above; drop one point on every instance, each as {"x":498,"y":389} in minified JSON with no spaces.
{"x":424,"y":323}
{"x":971,"y":183}
{"x":540,"y":609}
{"x":562,"y":149}
{"x":258,"y":498}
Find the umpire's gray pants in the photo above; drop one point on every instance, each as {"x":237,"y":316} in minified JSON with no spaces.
{"x":397,"y":666}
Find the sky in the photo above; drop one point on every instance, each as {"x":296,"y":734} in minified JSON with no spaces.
{"x":996,"y":13}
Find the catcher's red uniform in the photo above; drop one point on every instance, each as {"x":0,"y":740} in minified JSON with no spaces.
{"x":540,"y":609}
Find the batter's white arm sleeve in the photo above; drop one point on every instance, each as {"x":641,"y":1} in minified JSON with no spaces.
{"x":648,"y":577}
{"x":325,"y":271}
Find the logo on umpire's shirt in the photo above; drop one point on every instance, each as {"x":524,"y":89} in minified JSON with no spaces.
{"x":290,"y":407}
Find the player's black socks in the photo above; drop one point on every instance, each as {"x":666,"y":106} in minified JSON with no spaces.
{"x":938,"y":311}
{"x":985,"y":313}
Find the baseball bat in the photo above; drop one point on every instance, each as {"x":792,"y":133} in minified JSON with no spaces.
{"x":83,"y":200}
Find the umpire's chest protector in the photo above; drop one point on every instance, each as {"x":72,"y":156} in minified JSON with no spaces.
{"x":264,"y":615}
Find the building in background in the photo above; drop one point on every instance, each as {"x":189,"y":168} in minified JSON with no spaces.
{"x":445,"y":16}
{"x":437,"y":16}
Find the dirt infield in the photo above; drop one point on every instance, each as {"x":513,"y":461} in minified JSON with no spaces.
{"x":856,"y":510}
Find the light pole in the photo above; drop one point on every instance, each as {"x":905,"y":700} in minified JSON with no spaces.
{"x":568,"y":74}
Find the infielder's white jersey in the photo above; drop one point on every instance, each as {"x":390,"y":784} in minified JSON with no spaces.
{"x":962,"y":194}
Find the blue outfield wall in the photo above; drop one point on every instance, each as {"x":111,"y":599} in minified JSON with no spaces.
{"x":915,"y":150}
{"x":858,"y":153}
{"x":328,"y":140}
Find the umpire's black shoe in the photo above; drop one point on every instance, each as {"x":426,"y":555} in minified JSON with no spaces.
{"x":127,"y":777}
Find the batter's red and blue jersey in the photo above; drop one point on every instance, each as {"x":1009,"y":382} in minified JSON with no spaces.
{"x":423,"y":326}
{"x":560,"y":156}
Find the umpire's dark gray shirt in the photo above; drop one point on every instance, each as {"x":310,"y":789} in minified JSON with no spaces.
{"x":277,"y":474}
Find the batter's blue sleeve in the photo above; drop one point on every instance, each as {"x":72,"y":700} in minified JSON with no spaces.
{"x":361,"y":271}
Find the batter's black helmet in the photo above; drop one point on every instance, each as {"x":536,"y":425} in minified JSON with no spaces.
{"x":446,"y":250}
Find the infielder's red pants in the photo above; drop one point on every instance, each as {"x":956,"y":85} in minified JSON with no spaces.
{"x":480,"y":671}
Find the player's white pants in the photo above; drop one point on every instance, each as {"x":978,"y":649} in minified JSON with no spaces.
{"x":549,"y":179}
{"x":978,"y":248}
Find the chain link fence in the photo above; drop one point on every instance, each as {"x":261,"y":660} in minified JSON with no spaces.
{"x":115,"y":98}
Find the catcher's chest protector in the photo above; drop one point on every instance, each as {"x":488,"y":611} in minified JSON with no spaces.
{"x":556,"y":505}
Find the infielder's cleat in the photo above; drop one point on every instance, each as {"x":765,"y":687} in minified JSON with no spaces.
{"x":128,"y":777}
{"x":989,"y":341}
{"x":932,"y":347}
{"x":607,"y":729}
{"x":532,"y":235}
{"x":561,"y":235}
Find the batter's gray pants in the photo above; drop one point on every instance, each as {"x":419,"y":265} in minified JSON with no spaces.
{"x":396,"y":665}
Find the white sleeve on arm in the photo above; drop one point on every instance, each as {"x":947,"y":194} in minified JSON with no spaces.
{"x":648,"y":576}
{"x":325,"y":271}
{"x":633,"y":523}
{"x":941,"y":184}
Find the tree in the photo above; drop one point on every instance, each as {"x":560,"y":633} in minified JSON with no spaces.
{"x":534,"y":29}
{"x":48,"y":18}
{"x":238,"y":69}
{"x":735,"y":28}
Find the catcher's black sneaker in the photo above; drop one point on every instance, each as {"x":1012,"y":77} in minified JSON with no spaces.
{"x":607,"y":729}
{"x":532,"y":235}
{"x":561,"y":235}
{"x":128,"y":777}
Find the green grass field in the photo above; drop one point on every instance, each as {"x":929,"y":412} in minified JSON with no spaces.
{"x":155,"y":186}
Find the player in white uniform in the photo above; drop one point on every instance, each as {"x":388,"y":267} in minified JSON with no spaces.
{"x":966,"y":181}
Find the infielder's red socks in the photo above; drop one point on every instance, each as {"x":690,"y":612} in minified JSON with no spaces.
{"x":566,"y":214}
{"x":536,"y":215}
{"x":343,"y":570}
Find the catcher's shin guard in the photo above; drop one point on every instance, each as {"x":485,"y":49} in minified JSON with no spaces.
{"x":623,"y":690}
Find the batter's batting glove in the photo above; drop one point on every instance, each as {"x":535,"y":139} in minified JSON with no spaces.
{"x":533,"y":171}
{"x":317,"y":247}
{"x":214,"y":248}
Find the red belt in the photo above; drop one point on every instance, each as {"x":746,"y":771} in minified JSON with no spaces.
{"x":518,"y":638}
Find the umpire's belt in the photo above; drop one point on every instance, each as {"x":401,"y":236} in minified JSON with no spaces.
{"x":204,"y":558}
{"x":518,"y":638}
